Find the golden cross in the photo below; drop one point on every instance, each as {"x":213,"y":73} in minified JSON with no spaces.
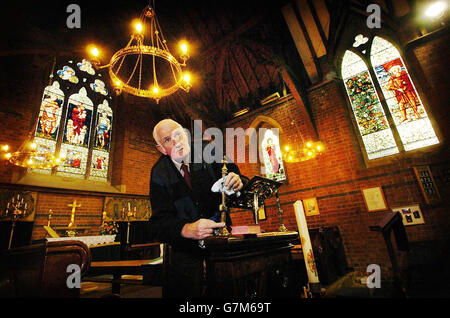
{"x":72,"y":217}
{"x":74,"y":206}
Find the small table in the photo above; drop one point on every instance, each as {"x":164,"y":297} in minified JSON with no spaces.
{"x":119,"y":268}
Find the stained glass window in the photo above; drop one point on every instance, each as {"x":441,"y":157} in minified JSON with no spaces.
{"x":369,"y":114}
{"x":405,"y":105}
{"x":47,"y":127}
{"x":100,"y":155}
{"x":76,"y":134}
{"x":273,"y":161}
{"x":75,"y":121}
{"x":86,"y":66}
{"x":67,"y":73}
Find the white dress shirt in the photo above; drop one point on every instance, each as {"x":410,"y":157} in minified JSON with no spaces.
{"x":178,"y":166}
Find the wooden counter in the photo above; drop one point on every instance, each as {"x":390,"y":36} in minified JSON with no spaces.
{"x":249,"y":266}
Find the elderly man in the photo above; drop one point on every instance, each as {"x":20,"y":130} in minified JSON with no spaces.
{"x":184,"y":209}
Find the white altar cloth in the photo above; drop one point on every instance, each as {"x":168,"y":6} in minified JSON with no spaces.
{"x":88,"y":240}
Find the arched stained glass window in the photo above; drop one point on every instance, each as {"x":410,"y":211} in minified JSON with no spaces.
{"x":273,"y":161}
{"x":402,"y":99}
{"x":369,"y":114}
{"x":100,"y":154}
{"x":75,"y":122}
{"x":48,"y":124}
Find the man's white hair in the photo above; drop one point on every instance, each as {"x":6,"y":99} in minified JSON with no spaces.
{"x":164,"y":121}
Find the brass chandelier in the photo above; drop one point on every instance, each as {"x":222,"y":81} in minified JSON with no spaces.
{"x":135,"y":68}
{"x":30,"y":156}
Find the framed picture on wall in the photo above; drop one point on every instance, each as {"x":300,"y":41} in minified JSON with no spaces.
{"x":311,"y":207}
{"x":374,"y":199}
{"x":262,"y":213}
{"x":427,"y":184}
{"x":411,"y":214}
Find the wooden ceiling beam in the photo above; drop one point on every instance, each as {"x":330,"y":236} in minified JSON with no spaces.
{"x":210,"y":52}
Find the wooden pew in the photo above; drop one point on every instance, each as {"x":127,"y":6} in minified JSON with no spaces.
{"x":40,"y":270}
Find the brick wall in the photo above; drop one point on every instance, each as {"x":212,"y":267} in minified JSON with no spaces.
{"x":88,"y":214}
{"x":337,"y":177}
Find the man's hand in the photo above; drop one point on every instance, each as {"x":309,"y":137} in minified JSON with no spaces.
{"x":233,"y":181}
{"x":200,"y":229}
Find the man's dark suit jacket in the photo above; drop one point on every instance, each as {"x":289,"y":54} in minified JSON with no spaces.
{"x":174,"y":204}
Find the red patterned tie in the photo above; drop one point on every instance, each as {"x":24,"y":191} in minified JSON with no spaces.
{"x":187,"y":177}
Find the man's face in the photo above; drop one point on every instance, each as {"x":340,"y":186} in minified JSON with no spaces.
{"x":173,"y":141}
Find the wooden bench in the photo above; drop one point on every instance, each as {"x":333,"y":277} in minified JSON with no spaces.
{"x":149,"y":269}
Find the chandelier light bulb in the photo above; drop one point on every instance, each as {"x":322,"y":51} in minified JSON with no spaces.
{"x":155,"y":89}
{"x":187,"y":77}
{"x":138,"y":27}
{"x":5,"y":148}
{"x":436,"y":9}
{"x":183,"y":47}
{"x":8,"y":155}
{"x":95,"y":52}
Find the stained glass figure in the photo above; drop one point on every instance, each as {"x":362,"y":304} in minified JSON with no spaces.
{"x":100,"y":154}
{"x":76,"y":134}
{"x":405,"y":105}
{"x":369,"y":114}
{"x":50,"y":112}
{"x":47,"y":126}
{"x":99,"y":165}
{"x":78,"y":120}
{"x":103,"y":127}
{"x":273,"y":161}
{"x":75,"y":161}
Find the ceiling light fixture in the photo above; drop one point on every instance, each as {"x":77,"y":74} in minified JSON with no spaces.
{"x":31,"y":156}
{"x":133,"y":68}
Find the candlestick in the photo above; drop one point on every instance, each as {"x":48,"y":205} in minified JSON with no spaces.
{"x":282,"y":227}
{"x":305,"y":240}
{"x":223,"y":207}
